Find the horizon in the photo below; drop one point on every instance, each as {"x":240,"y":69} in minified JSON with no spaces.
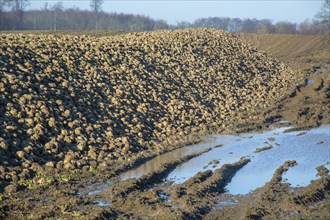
{"x":295,"y":11}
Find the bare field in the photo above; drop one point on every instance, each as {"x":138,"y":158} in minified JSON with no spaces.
{"x":301,"y":52}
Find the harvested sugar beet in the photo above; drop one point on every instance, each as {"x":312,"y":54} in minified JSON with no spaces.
{"x":82,"y":102}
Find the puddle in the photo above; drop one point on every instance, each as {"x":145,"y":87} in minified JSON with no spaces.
{"x":93,"y":192}
{"x":309,"y":148}
{"x":94,"y":189}
{"x":304,"y":149}
{"x":230,"y":202}
{"x":102,"y":204}
{"x":230,"y":152}
{"x":156,"y":163}
{"x":285,"y":146}
{"x":226,"y":200}
{"x":165,"y":197}
{"x":310,"y":82}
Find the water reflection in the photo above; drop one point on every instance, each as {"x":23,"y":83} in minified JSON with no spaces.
{"x":156,"y":163}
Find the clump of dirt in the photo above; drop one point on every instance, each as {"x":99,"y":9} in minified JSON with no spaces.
{"x":207,"y":182}
{"x":259,"y":149}
{"x":322,"y":171}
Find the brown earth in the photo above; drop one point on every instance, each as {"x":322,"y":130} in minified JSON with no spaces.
{"x":307,"y":106}
{"x":301,"y":52}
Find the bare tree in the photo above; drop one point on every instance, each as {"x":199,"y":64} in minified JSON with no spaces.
{"x":265,"y":26}
{"x":309,"y":26}
{"x":45,"y":7}
{"x":249,"y":25}
{"x":96,"y":6}
{"x":3,"y":3}
{"x":57,"y":8}
{"x":285,"y":27}
{"x":324,"y":13}
{"x":323,"y":17}
{"x":235,"y":25}
{"x":19,"y":7}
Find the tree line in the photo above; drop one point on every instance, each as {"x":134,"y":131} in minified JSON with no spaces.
{"x":13,"y":16}
{"x":264,"y":26}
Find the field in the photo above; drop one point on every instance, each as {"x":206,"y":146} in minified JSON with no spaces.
{"x":80,"y":112}
{"x":301,"y":52}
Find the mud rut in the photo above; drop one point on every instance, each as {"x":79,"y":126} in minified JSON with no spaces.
{"x":151,"y":194}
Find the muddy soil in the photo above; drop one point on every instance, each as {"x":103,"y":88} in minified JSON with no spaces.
{"x":276,"y":200}
{"x":103,"y":195}
{"x":152,"y":196}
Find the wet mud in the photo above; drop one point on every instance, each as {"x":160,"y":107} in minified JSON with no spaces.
{"x":208,"y":194}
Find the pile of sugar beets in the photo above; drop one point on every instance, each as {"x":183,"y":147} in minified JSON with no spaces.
{"x":81,"y":102}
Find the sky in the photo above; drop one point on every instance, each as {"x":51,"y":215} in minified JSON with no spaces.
{"x":189,"y":10}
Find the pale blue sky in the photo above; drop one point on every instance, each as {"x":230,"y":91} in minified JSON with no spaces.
{"x":184,"y":10}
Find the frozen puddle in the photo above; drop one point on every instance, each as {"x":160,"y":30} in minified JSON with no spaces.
{"x":309,"y":148}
